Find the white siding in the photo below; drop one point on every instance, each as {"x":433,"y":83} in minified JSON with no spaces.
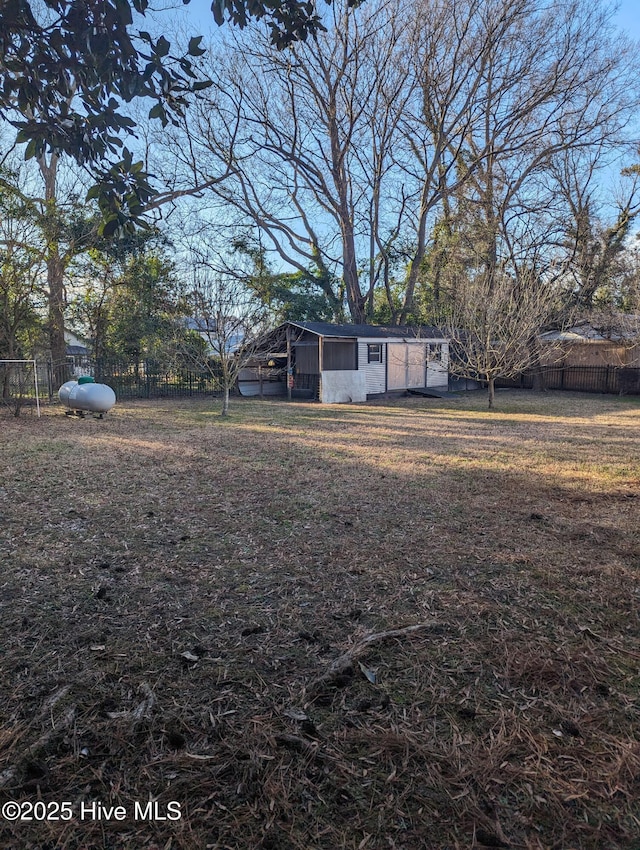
{"x":375,"y":373}
{"x":438,"y":372}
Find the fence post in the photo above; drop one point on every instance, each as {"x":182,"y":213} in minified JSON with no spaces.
{"x":50,"y":378}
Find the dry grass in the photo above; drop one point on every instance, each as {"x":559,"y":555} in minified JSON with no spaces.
{"x":266,"y":547}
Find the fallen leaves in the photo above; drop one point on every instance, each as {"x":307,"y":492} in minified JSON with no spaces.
{"x":241,"y":636}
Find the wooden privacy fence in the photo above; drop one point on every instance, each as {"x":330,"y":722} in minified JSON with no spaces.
{"x":588,"y":379}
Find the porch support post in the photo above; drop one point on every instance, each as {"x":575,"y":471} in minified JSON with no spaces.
{"x":289,"y":365}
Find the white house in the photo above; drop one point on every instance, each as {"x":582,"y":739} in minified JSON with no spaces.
{"x":349,"y":363}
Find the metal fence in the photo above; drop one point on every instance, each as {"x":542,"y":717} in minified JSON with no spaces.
{"x":19,"y":385}
{"x":132,"y":380}
{"x":148,"y":380}
{"x":589,"y":379}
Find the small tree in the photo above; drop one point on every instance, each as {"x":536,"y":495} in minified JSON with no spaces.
{"x":493,"y":323}
{"x":230,"y":318}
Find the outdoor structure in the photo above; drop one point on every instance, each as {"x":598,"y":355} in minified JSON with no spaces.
{"x":601,"y":357}
{"x":346,"y":363}
{"x":586,"y":345}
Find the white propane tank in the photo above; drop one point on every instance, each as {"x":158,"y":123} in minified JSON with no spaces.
{"x":85,"y":395}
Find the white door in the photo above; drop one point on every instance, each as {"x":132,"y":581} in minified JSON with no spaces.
{"x":405,"y":365}
{"x":438,"y":365}
{"x":396,"y":365}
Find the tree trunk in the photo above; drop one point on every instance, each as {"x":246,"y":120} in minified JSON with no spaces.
{"x":55,"y":271}
{"x":492,"y":392}
{"x":539,"y":373}
{"x":225,"y":402}
{"x":6,"y":381}
{"x":55,"y":284}
{"x":355,"y":299}
{"x":416,"y":260}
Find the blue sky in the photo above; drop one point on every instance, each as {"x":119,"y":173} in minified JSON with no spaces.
{"x":629,"y":17}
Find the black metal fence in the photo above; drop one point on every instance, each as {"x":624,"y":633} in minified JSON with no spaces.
{"x":134,"y":380}
{"x":149,"y":380}
{"x":588,"y":379}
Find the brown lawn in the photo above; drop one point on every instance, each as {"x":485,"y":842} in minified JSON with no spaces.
{"x":175,"y":588}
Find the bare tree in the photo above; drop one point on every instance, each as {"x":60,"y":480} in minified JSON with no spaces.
{"x":491,"y":321}
{"x":229,"y":319}
{"x":524,"y":84}
{"x":346,"y":152}
{"x":308,"y":137}
{"x":595,"y":231}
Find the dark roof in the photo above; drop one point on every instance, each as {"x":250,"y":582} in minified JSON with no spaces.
{"x":371,"y":331}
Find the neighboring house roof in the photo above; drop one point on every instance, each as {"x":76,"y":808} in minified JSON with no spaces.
{"x":626,"y":328}
{"x":200,"y":325}
{"x":369,"y":331}
{"x":209,"y":332}
{"x":573,"y":335}
{"x":579,"y":333}
{"x":73,"y":338}
{"x":77,"y":350}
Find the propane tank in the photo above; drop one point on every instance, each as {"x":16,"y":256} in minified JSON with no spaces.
{"x":85,"y":395}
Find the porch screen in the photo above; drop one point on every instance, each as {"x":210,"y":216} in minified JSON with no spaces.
{"x":339,"y":356}
{"x":306,"y":357}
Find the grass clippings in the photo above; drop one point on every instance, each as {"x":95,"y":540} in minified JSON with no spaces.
{"x":408,"y":624}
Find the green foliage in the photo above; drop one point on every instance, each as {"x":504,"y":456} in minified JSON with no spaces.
{"x":288,"y":20}
{"x":141,"y":308}
{"x":296,"y":297}
{"x":387,"y":305}
{"x":70,"y":67}
{"x":127,"y":298}
{"x":289,"y":296}
{"x":21,"y":324}
{"x":190,"y":346}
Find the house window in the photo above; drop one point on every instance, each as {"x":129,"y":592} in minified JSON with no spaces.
{"x":434,"y":352}
{"x":374,"y":352}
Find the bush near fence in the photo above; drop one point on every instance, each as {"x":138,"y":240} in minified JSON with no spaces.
{"x":588,"y":379}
